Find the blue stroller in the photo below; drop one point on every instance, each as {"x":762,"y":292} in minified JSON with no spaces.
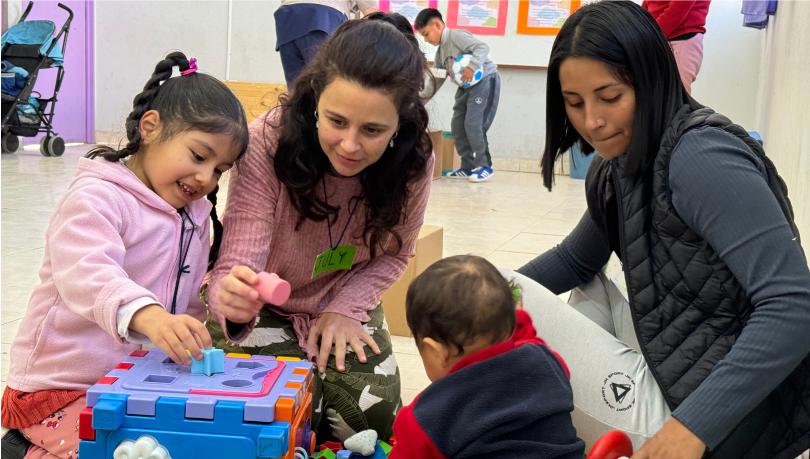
{"x":28,"y":47}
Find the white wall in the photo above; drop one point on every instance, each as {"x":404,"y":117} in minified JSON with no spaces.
{"x":785,"y":104}
{"x":729,"y":78}
{"x":253,"y":42}
{"x":14,"y":11}
{"x":727,"y":82}
{"x":127,"y":49}
{"x":131,"y":38}
{"x":518,"y":130}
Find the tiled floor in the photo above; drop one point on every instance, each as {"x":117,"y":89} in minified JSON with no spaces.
{"x":509,"y":220}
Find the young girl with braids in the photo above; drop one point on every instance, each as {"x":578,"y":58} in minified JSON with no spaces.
{"x":125,"y":254}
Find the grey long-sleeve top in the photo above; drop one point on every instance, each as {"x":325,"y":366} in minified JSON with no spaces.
{"x":719,"y":189}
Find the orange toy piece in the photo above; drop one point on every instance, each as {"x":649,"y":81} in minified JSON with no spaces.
{"x":301,"y":434}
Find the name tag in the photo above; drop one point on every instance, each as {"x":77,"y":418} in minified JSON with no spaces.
{"x":341,"y":258}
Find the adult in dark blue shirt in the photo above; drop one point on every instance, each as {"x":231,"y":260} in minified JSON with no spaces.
{"x":301,"y":27}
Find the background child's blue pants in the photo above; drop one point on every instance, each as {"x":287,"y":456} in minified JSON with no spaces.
{"x":473,"y":112}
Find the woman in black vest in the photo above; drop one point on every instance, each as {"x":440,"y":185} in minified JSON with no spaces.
{"x":710,"y":353}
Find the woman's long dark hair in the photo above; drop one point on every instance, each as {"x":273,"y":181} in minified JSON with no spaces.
{"x":375,"y":55}
{"x":196,"y":102}
{"x":626,"y":37}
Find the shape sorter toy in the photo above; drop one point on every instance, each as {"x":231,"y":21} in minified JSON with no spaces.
{"x":259,"y":407}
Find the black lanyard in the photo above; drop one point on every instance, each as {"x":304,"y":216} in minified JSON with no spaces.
{"x":332,"y":245}
{"x":182,"y":267}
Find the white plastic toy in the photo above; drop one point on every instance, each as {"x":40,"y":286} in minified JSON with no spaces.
{"x":145,"y":447}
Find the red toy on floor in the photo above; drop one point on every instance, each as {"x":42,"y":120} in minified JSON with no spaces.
{"x":612,"y":445}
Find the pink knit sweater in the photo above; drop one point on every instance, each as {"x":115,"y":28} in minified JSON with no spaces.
{"x":260,"y":233}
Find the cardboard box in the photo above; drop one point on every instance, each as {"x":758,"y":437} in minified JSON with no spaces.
{"x":450,"y":158}
{"x":429,"y":246}
{"x":438,"y":152}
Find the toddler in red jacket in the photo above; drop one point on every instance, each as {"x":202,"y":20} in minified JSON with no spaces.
{"x":497,"y":389}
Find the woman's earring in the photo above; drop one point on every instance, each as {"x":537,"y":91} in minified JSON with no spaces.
{"x":391,"y":143}
{"x":316,"y":119}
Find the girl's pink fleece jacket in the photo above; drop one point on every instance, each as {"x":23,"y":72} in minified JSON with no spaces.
{"x":111,"y":240}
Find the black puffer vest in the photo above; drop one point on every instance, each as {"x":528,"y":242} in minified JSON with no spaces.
{"x":687,"y":307}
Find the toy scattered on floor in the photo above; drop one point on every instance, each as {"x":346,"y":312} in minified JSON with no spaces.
{"x":364,"y":442}
{"x":273,"y":289}
{"x":213,"y":361}
{"x":612,"y":445}
{"x":258,"y":407}
{"x":381,"y":451}
{"x":459,"y":65}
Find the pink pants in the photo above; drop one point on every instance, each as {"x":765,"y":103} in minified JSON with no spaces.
{"x":57,"y":436}
{"x":688,"y":55}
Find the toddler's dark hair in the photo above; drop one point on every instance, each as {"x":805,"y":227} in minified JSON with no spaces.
{"x":460,"y":299}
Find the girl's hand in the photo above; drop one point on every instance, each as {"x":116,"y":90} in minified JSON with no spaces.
{"x":237,"y":298}
{"x":673,"y":441}
{"x":333,"y":328}
{"x":174,"y":334}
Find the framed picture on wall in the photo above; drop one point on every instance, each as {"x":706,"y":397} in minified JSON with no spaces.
{"x":544,"y":17}
{"x":407,"y":8}
{"x":481,"y":17}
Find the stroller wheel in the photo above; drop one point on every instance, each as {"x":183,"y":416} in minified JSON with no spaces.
{"x":52,"y":146}
{"x":10,"y":143}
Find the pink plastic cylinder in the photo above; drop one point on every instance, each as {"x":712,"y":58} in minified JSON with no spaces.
{"x":273,"y":289}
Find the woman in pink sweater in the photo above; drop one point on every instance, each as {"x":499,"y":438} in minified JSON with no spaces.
{"x":330,"y":196}
{"x":125,"y":254}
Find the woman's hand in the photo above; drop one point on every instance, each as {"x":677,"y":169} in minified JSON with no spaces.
{"x":237,"y":298}
{"x":173,"y":334}
{"x":333,"y":328}
{"x":673,"y":441}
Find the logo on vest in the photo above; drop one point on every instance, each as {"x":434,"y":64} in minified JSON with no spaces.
{"x":479,"y":100}
{"x":619,"y":391}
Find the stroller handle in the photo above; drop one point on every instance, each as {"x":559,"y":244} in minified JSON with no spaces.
{"x":27,"y":10}
{"x":60,"y":5}
{"x":64,"y":7}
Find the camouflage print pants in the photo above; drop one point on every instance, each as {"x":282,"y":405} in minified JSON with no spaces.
{"x":366,"y":395}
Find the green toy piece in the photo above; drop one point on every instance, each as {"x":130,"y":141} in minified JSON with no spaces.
{"x":325,"y":454}
{"x":385,"y":446}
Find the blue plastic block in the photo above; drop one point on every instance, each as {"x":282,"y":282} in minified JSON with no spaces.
{"x":343,"y":454}
{"x":170,"y":408}
{"x":227,"y":436}
{"x":379,"y":452}
{"x":156,"y":397}
{"x":108,"y":414}
{"x":213,"y":361}
{"x":184,"y":444}
{"x":94,"y":448}
{"x":154,"y":375}
{"x":273,"y":441}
